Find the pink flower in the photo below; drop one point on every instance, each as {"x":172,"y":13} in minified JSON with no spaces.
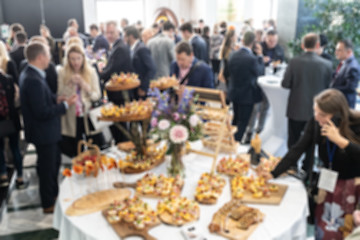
{"x":194,"y":120}
{"x":179,"y":134}
{"x":164,"y":124}
{"x":176,"y":116}
{"x":184,"y":117}
{"x":154,"y":122}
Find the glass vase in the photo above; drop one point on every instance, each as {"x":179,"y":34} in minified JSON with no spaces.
{"x":176,"y":165}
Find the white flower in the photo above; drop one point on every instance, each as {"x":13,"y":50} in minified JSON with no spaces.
{"x":194,"y":120}
{"x":164,"y":124}
{"x":179,"y":134}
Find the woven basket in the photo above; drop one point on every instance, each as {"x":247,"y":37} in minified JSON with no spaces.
{"x":92,"y":151}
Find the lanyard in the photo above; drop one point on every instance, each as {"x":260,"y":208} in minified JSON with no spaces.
{"x":331,"y":152}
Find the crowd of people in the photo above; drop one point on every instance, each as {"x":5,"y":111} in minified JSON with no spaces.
{"x":55,"y":101}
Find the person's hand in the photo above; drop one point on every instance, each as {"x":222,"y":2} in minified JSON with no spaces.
{"x":356,"y":216}
{"x":266,"y":59}
{"x":71,"y":100}
{"x":60,"y":99}
{"x":76,"y":79}
{"x":258,"y":49}
{"x":141,"y":92}
{"x":330,"y":131}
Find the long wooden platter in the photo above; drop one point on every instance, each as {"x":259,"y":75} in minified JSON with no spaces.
{"x":124,"y":229}
{"x":133,"y":185}
{"x":96,"y":201}
{"x":109,"y":86}
{"x":132,"y":170}
{"x":274,"y":199}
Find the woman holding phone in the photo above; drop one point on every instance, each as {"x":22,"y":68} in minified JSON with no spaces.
{"x":335,"y":129}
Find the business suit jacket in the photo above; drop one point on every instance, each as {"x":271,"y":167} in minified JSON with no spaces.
{"x":17,"y":56}
{"x":40,"y":111}
{"x":276,"y":53}
{"x":202,"y":76}
{"x":346,"y":80}
{"x":162,"y":50}
{"x":144,"y":65}
{"x":12,"y":71}
{"x":118,"y":61}
{"x":100,"y":42}
{"x":305,"y":76}
{"x":244,"y":69}
{"x":51,"y":75}
{"x":199,"y":48}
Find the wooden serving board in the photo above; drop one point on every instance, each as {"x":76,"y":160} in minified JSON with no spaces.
{"x":109,"y":86}
{"x":129,"y":145}
{"x":124,"y":229}
{"x":274,"y":199}
{"x":125,"y":118}
{"x":233,"y":232}
{"x":131,"y":170}
{"x":133,"y":185}
{"x":96,"y":201}
{"x":167,"y":219}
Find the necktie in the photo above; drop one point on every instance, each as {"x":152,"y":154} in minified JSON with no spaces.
{"x":339,"y":67}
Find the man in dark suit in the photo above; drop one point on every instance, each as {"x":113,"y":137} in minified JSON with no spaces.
{"x":271,"y":49}
{"x":51,"y":74}
{"x":17,"y":55}
{"x":198,"y":44}
{"x":347,"y":73}
{"x":41,"y":111}
{"x":141,"y":59}
{"x":189,"y":70}
{"x":305,"y":76}
{"x":98,"y":41}
{"x":118,"y":61}
{"x":244,"y":92}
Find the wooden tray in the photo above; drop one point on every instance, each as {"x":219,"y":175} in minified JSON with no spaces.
{"x":274,"y":199}
{"x":124,"y":229}
{"x":96,"y":201}
{"x":126,"y":118}
{"x":229,"y":229}
{"x":109,"y":86}
{"x":129,"y":145}
{"x":133,"y":185}
{"x":164,"y":87}
{"x":131,"y":170}
{"x":225,"y":148}
{"x":167,"y":219}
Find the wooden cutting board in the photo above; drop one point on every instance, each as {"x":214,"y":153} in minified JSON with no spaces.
{"x":124,"y":229}
{"x":133,"y":185}
{"x":96,"y":201}
{"x":131,"y":170}
{"x":232,"y":232}
{"x":274,"y":199}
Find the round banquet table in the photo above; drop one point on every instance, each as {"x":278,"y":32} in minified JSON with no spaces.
{"x":285,"y":221}
{"x":275,"y":132}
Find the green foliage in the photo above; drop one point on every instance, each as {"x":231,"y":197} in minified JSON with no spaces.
{"x":338,"y":19}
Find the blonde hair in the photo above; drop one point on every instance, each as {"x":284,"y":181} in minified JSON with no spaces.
{"x":333,"y":101}
{"x":74,"y":40}
{"x":4,"y":57}
{"x":227,"y":44}
{"x":85,"y":70}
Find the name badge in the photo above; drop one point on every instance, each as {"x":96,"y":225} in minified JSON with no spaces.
{"x":327,"y":180}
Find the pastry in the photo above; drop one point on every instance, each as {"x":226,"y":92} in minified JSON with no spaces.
{"x":178,"y":210}
{"x":233,"y":166}
{"x":133,"y":211}
{"x":257,"y":187}
{"x":159,"y":186}
{"x":164,"y":83}
{"x":130,"y":111}
{"x":209,"y":188}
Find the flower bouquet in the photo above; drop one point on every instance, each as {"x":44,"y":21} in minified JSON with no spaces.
{"x":175,"y":121}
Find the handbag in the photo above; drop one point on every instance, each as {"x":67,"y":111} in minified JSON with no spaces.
{"x":7,"y":128}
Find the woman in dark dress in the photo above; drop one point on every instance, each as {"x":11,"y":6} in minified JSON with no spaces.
{"x":335,"y":129}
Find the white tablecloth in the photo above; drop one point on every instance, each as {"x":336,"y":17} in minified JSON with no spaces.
{"x":285,"y":221}
{"x":275,"y":132}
